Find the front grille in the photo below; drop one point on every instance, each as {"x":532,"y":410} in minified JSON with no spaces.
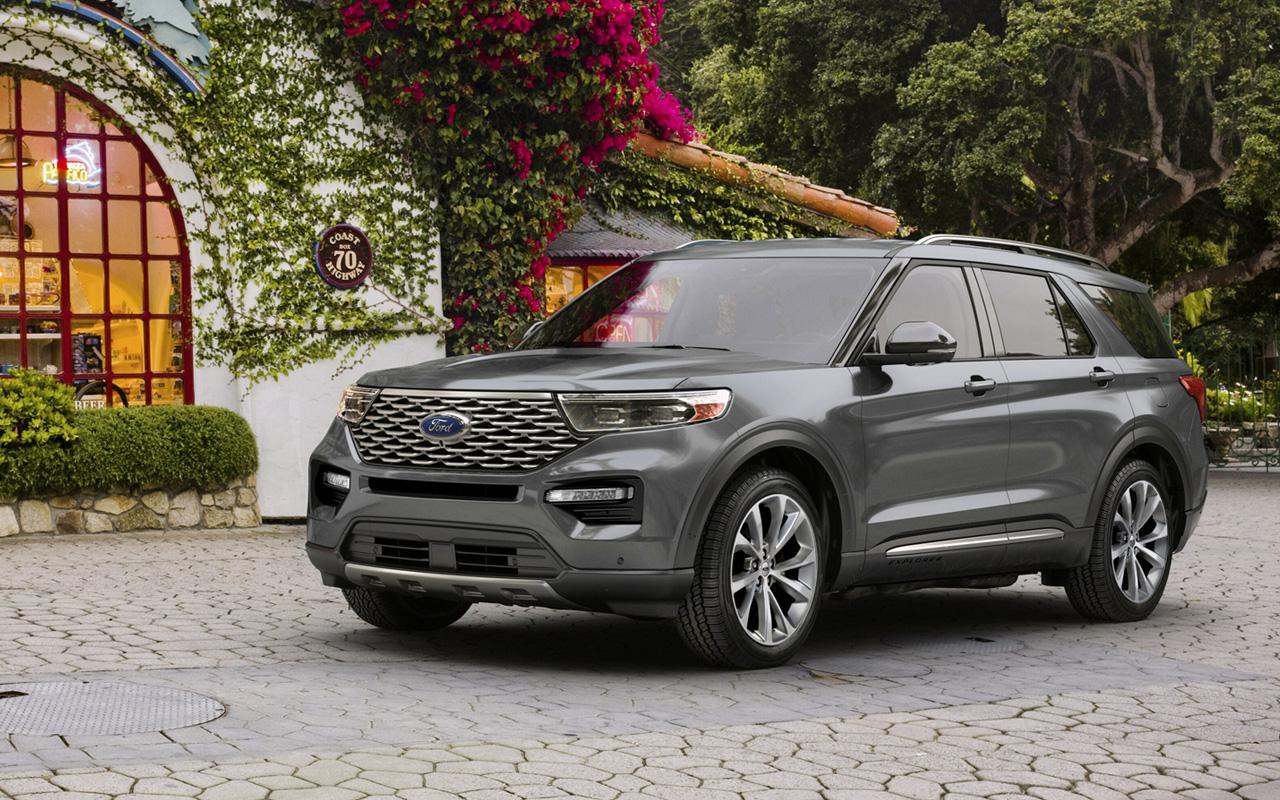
{"x":388,"y":551}
{"x":508,"y":431}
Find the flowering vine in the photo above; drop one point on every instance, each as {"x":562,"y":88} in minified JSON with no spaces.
{"x":516,"y":104}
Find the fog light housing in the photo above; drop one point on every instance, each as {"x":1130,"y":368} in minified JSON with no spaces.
{"x":336,"y":480}
{"x":590,"y":494}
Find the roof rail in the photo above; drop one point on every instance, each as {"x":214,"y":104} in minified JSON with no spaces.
{"x":1025,"y":248}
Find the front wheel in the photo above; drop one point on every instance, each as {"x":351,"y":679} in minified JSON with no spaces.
{"x":393,"y":611}
{"x":1129,"y":562}
{"x":758,"y":578}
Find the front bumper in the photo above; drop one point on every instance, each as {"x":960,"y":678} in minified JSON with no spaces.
{"x":555,"y":558}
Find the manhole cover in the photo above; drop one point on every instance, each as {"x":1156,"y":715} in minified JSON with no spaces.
{"x":952,"y":644}
{"x":67,"y":708}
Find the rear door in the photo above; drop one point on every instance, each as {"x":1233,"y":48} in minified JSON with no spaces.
{"x":936,"y":440}
{"x":1067,"y":410}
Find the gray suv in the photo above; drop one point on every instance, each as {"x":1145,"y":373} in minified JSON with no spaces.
{"x":727,"y":432}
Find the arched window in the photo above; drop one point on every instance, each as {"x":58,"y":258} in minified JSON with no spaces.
{"x":95,"y":278}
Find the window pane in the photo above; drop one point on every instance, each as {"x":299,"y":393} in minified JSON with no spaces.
{"x":124,"y":226}
{"x":44,"y":285}
{"x":1027,"y":314}
{"x":127,"y":352}
{"x":167,"y":392}
{"x":166,"y":345}
{"x":84,"y":225}
{"x":155,"y":184}
{"x":8,"y":98}
{"x":134,"y":389}
{"x":125,"y":292}
{"x":38,"y":107}
{"x":10,"y":344}
{"x":164,"y":287}
{"x":124,"y":174}
{"x":43,"y":234}
{"x":1079,"y":342}
{"x":87,"y":285}
{"x":1136,"y":318}
{"x":82,"y":166}
{"x":8,"y":223}
{"x":162,"y":236}
{"x":9,"y":175}
{"x":599,"y":273}
{"x":938,"y":295}
{"x":80,"y":117}
{"x":87,"y":356}
{"x":10,"y":288}
{"x":563,"y":284}
{"x":44,"y":175}
{"x":44,"y":345}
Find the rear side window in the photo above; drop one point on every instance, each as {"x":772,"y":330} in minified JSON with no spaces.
{"x":1136,"y":318}
{"x":938,"y":295}
{"x":1079,"y":341}
{"x":1027,"y":313}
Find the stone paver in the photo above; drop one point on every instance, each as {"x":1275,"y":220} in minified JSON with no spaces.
{"x":937,"y":694}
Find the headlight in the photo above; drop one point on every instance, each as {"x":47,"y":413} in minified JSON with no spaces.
{"x":355,"y":403}
{"x":599,"y":413}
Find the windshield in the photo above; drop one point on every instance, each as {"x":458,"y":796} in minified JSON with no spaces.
{"x":794,"y":309}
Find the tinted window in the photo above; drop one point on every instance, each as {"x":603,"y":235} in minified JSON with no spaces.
{"x":1136,"y":318}
{"x":1027,"y":314}
{"x":795,"y":309}
{"x":938,"y":295}
{"x":1079,"y":342}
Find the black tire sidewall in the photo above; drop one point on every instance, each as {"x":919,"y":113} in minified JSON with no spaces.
{"x":1130,"y":474}
{"x":771,"y":483}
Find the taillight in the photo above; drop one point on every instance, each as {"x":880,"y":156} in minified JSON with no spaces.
{"x":1195,"y":388}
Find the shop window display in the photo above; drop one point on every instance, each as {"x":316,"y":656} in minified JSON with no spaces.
{"x":94,"y":273}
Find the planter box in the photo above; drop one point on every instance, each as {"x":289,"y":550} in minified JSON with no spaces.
{"x":234,"y":505}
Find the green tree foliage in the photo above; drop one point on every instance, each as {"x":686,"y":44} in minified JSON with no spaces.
{"x":1146,"y":132}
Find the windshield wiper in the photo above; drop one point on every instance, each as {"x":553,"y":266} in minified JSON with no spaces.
{"x":686,"y":347}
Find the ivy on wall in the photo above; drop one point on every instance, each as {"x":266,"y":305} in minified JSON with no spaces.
{"x":280,"y":147}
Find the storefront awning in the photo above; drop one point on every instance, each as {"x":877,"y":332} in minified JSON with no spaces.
{"x":614,"y":235}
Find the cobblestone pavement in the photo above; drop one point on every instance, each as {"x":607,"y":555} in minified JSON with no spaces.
{"x":955,"y":694}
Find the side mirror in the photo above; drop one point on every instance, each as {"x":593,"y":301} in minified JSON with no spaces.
{"x":915,"y":343}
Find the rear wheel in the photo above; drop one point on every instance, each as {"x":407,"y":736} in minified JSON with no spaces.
{"x":1129,"y":563}
{"x":393,"y":611}
{"x":758,"y":579}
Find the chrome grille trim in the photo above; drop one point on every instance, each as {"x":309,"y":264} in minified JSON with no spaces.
{"x":509,"y":430}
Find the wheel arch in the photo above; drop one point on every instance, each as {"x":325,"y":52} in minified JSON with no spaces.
{"x":798,"y":452}
{"x":1157,"y":447}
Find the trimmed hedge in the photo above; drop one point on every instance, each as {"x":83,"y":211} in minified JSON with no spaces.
{"x":175,"y":447}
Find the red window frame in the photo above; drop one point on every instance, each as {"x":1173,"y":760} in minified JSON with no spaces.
{"x":111,"y":128}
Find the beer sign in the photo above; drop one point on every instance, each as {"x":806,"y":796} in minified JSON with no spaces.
{"x":344,"y":257}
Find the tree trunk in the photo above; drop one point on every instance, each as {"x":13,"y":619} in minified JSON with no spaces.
{"x":1245,"y":269}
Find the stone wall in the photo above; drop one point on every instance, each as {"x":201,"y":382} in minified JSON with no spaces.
{"x":234,"y":505}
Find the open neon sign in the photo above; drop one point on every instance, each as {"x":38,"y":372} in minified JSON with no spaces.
{"x":78,"y":167}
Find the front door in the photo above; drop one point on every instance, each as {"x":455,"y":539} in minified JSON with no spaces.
{"x":936,"y":440}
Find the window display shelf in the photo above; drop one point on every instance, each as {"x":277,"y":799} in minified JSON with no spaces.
{"x":31,"y":309}
{"x":30,"y":336}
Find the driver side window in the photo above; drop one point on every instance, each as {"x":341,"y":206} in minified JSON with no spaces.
{"x":939,"y":295}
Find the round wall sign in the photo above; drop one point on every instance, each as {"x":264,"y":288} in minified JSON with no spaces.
{"x":344,"y":257}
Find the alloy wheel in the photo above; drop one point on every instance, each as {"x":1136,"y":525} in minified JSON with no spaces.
{"x":1140,"y":542}
{"x":774,"y":569}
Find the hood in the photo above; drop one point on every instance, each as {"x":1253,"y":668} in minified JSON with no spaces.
{"x":574,"y":370}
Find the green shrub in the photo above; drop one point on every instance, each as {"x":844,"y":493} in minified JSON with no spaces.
{"x":176,"y":447}
{"x":34,"y":409}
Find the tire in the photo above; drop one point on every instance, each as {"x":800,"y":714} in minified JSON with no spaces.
{"x":392,"y":611}
{"x":1107,"y":588}
{"x":709,"y":620}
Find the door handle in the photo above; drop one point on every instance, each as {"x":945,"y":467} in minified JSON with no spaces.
{"x":978,"y":385}
{"x":1102,"y":376}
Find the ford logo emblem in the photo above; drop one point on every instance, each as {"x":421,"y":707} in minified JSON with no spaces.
{"x":445,"y":426}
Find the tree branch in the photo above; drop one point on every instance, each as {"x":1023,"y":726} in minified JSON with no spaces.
{"x":1239,"y":271}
